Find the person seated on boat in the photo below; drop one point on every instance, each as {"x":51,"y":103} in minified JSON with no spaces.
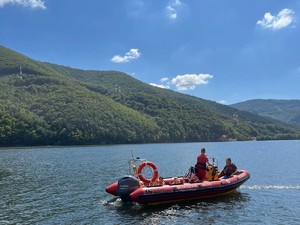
{"x":176,"y":180}
{"x":200,"y":167}
{"x":158,"y":182}
{"x":194,"y":179}
{"x":191,"y":177}
{"x":188,"y":176}
{"x":161,"y":181}
{"x":229,"y":169}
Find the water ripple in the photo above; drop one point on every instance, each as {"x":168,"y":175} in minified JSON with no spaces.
{"x":271,"y":187}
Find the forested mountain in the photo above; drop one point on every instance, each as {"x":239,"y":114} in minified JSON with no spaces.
{"x":287,"y":111}
{"x":47,"y":104}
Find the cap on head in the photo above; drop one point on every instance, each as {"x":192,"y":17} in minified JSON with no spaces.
{"x":203,"y":150}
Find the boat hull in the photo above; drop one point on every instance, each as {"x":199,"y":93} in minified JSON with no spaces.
{"x":188,"y":191}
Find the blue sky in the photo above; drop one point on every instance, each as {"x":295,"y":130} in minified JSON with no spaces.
{"x":224,"y":51}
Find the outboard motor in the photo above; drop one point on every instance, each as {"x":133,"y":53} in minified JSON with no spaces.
{"x":126,"y":185}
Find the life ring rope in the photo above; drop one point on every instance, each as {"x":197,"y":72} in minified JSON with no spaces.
{"x":154,"y":168}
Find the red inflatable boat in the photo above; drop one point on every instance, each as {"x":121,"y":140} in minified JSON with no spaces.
{"x":155,"y":190}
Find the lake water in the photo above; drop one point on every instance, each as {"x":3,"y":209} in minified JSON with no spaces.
{"x":67,"y":185}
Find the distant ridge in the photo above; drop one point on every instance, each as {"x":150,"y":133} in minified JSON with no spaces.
{"x":47,"y":104}
{"x":287,"y":111}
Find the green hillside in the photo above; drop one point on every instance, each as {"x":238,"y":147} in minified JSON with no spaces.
{"x":47,"y":104}
{"x":287,"y":111}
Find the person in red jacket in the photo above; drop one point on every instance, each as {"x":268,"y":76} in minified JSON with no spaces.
{"x":200,"y":167}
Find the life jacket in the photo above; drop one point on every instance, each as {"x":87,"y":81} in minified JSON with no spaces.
{"x":230,"y":169}
{"x":201,"y":162}
{"x":200,"y":166}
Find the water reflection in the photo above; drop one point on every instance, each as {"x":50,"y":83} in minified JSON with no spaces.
{"x":192,"y":211}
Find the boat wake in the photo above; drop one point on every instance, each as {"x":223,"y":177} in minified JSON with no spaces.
{"x":270,"y":187}
{"x":112,"y":201}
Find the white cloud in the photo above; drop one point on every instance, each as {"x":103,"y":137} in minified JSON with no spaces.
{"x":283,"y":19}
{"x":160,"y":85}
{"x":189,"y":81}
{"x":184,"y":82}
{"x":164,"y":83}
{"x":132,"y":54}
{"x":172,"y":9}
{"x":164,"y":79}
{"x":172,"y":14}
{"x":25,"y":3}
{"x":223,"y":102}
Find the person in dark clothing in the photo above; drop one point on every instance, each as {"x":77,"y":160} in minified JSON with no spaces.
{"x":229,"y":169}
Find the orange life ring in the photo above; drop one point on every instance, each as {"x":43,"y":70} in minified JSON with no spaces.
{"x":155,"y":173}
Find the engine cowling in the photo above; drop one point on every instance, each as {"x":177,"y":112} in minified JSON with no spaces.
{"x":126,"y":185}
